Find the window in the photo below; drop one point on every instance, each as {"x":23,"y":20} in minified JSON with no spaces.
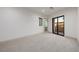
{"x":40,"y":21}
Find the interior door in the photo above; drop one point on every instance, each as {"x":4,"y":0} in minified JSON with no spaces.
{"x":58,"y":25}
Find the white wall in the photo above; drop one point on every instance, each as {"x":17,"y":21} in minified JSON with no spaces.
{"x":70,"y":21}
{"x":78,"y":25}
{"x":18,"y":22}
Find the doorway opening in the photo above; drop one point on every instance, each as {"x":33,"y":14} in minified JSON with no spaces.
{"x":58,"y":25}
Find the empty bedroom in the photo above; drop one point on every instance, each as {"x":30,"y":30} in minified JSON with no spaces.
{"x":39,"y":29}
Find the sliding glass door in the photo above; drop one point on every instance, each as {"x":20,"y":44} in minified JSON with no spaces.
{"x":58,"y":25}
{"x":55,"y":25}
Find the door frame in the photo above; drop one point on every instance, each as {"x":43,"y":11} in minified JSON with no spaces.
{"x":57,"y":25}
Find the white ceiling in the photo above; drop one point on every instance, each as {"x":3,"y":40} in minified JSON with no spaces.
{"x":46,"y":11}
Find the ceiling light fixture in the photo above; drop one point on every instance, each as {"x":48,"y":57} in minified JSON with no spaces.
{"x":51,"y":8}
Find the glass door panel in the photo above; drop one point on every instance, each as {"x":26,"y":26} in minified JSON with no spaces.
{"x":55,"y":25}
{"x":61,"y":26}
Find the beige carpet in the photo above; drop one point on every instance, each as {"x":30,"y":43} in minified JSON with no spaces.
{"x":44,"y":42}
